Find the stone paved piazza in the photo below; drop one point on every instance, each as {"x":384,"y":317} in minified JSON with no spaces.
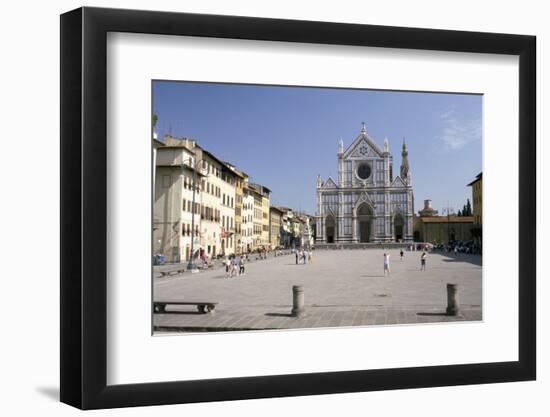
{"x":342,"y":288}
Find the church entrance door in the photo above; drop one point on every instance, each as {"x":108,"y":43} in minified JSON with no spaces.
{"x":398,"y":223}
{"x":364,"y":219}
{"x":330,"y":229}
{"x":364,"y":231}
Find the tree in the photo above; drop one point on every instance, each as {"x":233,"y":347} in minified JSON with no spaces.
{"x":459,"y":214}
{"x":468,"y":207}
{"x":155,"y":119}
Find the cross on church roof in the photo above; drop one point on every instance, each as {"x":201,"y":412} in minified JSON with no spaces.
{"x":363,"y":127}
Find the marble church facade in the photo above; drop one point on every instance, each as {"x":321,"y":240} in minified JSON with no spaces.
{"x":366,"y":203}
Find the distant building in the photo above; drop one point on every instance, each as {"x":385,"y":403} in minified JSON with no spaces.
{"x":156,"y":144}
{"x":228,"y":185}
{"x":262,"y":205}
{"x":241,"y":179}
{"x":290,"y":228}
{"x":306,"y":233}
{"x":207,"y":206}
{"x":173,"y":196}
{"x":366,"y":203}
{"x":441,"y":229}
{"x":477,"y":198}
{"x":257,"y":215}
{"x":214,"y":218}
{"x":247,"y":218}
{"x":428,"y":210}
{"x":275,"y":220}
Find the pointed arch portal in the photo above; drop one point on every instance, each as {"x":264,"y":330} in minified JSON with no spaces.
{"x":398,"y":225}
{"x":330,"y":226}
{"x":364,"y":222}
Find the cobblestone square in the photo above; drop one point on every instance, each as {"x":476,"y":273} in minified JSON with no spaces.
{"x":341,"y":288}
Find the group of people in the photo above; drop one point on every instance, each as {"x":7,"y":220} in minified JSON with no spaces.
{"x":303,"y":256}
{"x":262,"y":253}
{"x":423,"y":258}
{"x":235,"y":265}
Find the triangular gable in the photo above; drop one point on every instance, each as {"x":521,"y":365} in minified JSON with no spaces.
{"x":329,"y":183}
{"x":363,"y":147}
{"x":397,"y":210}
{"x":330,"y":212}
{"x":398,"y":182}
{"x":364,"y":197}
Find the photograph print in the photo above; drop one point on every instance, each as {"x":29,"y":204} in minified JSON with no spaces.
{"x":292,"y":207}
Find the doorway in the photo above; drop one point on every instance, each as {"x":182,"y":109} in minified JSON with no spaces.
{"x":330,"y":226}
{"x":365,"y":215}
{"x":398,"y":223}
{"x":364,"y":231}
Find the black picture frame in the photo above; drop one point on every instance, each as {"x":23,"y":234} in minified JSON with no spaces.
{"x":84,"y":207}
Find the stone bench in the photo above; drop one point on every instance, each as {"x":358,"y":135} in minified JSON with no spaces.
{"x":202,"y":306}
{"x":172,"y":271}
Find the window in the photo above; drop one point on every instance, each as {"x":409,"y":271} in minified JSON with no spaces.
{"x":363,"y":171}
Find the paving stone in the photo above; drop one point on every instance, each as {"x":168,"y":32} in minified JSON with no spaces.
{"x":342,"y":288}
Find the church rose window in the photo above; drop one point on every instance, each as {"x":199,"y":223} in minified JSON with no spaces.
{"x":363,"y":171}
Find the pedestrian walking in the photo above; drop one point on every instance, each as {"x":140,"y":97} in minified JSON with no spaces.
{"x":456,"y":250}
{"x":297,"y":257}
{"x":386,"y":263}
{"x":227,"y":263}
{"x":233,"y":266}
{"x":423,"y":261}
{"x":401,"y":253}
{"x":241,"y":265}
{"x":305,"y":257}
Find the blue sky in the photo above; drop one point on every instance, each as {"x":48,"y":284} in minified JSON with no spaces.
{"x":284,"y":136}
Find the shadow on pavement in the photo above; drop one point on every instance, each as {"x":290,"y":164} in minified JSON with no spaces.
{"x":183,"y":312}
{"x":279,"y":314}
{"x":470,"y":259}
{"x":432,"y":314}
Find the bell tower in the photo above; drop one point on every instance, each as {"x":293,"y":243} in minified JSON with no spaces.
{"x":405,"y":173}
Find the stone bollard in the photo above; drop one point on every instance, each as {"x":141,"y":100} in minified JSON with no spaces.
{"x":298,"y":309}
{"x":452,"y":300}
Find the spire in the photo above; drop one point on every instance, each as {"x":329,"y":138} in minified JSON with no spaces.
{"x":386,"y":145}
{"x":340,"y":146}
{"x":404,"y":162}
{"x":363,"y":127}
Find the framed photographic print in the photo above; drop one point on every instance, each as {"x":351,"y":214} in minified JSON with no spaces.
{"x":256,"y":208}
